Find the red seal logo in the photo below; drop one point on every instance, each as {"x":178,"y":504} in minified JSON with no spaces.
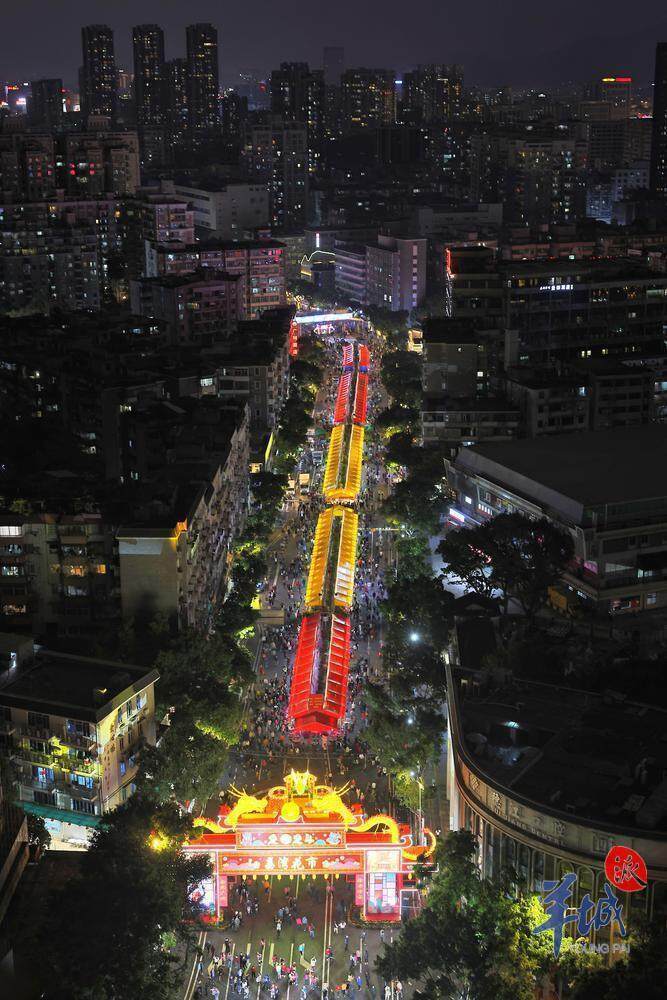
{"x":626,"y":869}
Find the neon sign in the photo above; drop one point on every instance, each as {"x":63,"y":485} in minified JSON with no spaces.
{"x":299,"y":839}
{"x":284,"y":864}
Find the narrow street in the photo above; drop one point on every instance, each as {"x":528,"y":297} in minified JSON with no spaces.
{"x":294,"y":939}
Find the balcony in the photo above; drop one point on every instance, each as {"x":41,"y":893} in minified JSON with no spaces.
{"x":79,"y":766}
{"x":78,"y":791}
{"x":34,"y":756}
{"x":76,"y":740}
{"x":36,"y":732}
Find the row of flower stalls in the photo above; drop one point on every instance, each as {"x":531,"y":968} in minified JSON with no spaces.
{"x":318,"y":690}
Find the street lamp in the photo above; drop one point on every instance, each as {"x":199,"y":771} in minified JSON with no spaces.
{"x":414,"y":637}
{"x":420,"y":811}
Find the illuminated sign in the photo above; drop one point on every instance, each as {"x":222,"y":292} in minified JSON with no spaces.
{"x":617,"y":79}
{"x":383,"y":861}
{"x":325,"y":318}
{"x":272,"y":838}
{"x":284,"y":864}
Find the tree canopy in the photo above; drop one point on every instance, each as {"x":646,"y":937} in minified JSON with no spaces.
{"x":512,"y":553}
{"x":474,"y":938}
{"x":108,"y":938}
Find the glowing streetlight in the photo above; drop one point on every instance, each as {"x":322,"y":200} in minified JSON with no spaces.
{"x":414,"y":637}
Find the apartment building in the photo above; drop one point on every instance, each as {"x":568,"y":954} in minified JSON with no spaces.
{"x":350,"y":275}
{"x":396,"y":273}
{"x":260,"y":264}
{"x":196,"y":309}
{"x":229,"y":210}
{"x":603,"y":487}
{"x":73,"y":727}
{"x":561,"y":310}
{"x":455,"y":358}
{"x":277,"y":154}
{"x":100,"y":162}
{"x":57,"y":573}
{"x":549,"y":403}
{"x":256,"y":368}
{"x":175,"y":558}
{"x":460,"y":422}
{"x":390,"y":272}
{"x":59,"y":266}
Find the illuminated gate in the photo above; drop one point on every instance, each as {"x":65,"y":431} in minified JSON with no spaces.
{"x":305,"y":829}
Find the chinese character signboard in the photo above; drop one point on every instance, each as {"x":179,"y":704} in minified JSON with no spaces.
{"x":278,"y":864}
{"x":277,"y":839}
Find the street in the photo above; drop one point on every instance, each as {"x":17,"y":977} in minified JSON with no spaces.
{"x":295,"y":939}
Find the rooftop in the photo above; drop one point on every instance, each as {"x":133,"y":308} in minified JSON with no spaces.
{"x":542,"y":379}
{"x":201,"y":276}
{"x":597,"y":268}
{"x":598,"y":757}
{"x":60,"y":684}
{"x":439,"y":330}
{"x":219,"y":245}
{"x":479,"y":404}
{"x":597,"y":467}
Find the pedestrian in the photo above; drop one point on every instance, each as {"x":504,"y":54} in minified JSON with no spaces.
{"x":347,"y":942}
{"x":279,"y":927}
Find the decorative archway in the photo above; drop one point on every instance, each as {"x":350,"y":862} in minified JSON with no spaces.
{"x":303,"y":828}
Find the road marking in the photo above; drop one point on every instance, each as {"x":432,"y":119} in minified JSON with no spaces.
{"x":291,"y":956}
{"x":261,"y":969}
{"x":192,"y":980}
{"x":231,"y":967}
{"x":328,"y":931}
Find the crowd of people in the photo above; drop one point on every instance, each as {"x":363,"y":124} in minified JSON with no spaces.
{"x":268,"y":748}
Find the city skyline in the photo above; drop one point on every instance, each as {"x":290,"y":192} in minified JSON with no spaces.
{"x":525,"y":49}
{"x":333,"y":526}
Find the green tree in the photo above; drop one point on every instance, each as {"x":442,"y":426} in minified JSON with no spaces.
{"x":202,"y":679}
{"x":401,"y":375}
{"x":186,"y":765}
{"x":401,"y":450}
{"x":413,"y":555}
{"x":37,"y":832}
{"x":393,"y":326}
{"x":406,"y":734}
{"x":140,"y":884}
{"x":418,"y":605}
{"x":466,"y":557}
{"x":512,"y":553}
{"x":643,"y":973}
{"x":267,"y":491}
{"x":397,"y":417}
{"x":418,"y":500}
{"x":473,"y":940}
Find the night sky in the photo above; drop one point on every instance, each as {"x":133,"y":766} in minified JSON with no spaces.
{"x":524,"y":42}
